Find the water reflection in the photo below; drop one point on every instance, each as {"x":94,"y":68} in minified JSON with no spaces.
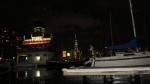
{"x":38,"y":76}
{"x":31,"y":76}
{"x":44,"y":76}
{"x":32,"y":73}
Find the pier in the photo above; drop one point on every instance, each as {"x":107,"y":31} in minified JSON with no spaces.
{"x":105,"y":71}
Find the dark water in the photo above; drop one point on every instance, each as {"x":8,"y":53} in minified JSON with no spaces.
{"x":44,"y":76}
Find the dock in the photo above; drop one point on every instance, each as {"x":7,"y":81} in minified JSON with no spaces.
{"x":105,"y":71}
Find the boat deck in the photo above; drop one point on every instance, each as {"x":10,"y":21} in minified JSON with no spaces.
{"x":83,"y":71}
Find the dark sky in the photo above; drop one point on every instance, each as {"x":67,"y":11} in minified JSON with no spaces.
{"x":90,"y":19}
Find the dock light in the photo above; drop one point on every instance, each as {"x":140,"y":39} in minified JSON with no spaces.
{"x":38,"y":58}
{"x":26,"y":74}
{"x":68,"y":54}
{"x":26,"y":58}
{"x":13,"y":58}
{"x":0,"y":58}
{"x":38,"y":73}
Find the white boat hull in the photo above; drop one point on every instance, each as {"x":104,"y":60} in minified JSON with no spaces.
{"x":123,"y":61}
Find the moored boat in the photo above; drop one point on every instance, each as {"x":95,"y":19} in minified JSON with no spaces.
{"x":64,"y":64}
{"x":125,"y":58}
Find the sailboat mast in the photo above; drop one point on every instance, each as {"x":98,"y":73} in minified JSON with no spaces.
{"x":132,"y":18}
{"x":133,"y":22}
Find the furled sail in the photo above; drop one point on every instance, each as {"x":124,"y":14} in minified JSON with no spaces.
{"x":131,"y":44}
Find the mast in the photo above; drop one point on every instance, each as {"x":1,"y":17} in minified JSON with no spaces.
{"x":133,"y":24}
{"x":76,"y":47}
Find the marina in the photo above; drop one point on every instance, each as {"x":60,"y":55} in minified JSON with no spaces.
{"x":75,"y":42}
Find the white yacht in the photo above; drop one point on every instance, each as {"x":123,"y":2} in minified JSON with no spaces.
{"x":122,"y":59}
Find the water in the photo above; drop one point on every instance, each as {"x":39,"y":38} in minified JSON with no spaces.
{"x":44,"y":76}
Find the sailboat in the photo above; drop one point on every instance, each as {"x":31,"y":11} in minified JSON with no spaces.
{"x":124,"y":59}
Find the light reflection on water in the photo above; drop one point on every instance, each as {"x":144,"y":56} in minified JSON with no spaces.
{"x":44,"y":76}
{"x":31,"y":76}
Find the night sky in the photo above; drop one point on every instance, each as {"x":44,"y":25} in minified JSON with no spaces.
{"x":89,"y":19}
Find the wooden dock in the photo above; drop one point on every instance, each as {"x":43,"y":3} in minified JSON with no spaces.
{"x":105,"y":71}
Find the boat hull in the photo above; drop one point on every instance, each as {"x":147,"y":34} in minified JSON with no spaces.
{"x":31,"y":60}
{"x":131,"y":61}
{"x":63,"y":64}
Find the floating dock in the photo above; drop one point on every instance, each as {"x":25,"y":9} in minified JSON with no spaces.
{"x":105,"y":71}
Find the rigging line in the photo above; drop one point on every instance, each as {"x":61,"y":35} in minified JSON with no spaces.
{"x":111,"y":30}
{"x":146,"y":34}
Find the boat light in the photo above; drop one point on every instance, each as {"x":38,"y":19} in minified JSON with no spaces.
{"x":13,"y":58}
{"x":38,"y":73}
{"x":68,"y":54}
{"x":26,"y":58}
{"x":38,"y":58}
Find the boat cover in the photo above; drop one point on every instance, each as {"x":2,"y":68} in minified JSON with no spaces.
{"x":131,"y":44}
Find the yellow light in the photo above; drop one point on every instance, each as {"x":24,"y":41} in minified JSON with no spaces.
{"x":23,"y":55}
{"x":64,"y":53}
